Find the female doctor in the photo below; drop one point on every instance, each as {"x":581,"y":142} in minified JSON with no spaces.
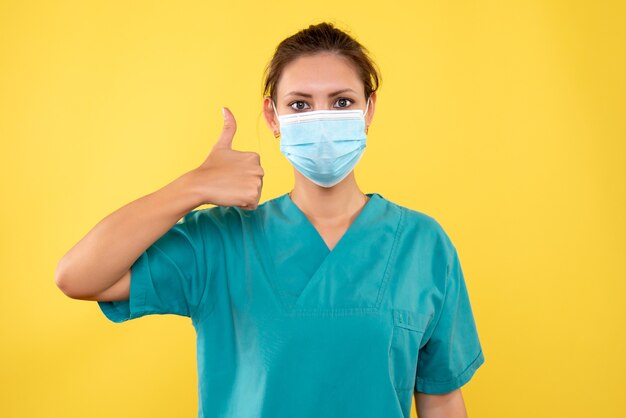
{"x":323,"y":302}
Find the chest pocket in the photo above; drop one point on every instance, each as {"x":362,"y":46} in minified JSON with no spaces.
{"x":407,"y":333}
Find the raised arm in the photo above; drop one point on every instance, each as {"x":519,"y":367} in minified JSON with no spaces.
{"x":98,"y":266}
{"x":104,"y":256}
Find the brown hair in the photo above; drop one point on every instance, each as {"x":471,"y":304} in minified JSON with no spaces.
{"x":323,"y":37}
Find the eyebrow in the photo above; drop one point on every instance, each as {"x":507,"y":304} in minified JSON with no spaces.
{"x":298,"y":93}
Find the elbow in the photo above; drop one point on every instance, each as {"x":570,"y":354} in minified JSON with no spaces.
{"x":64,"y":287}
{"x":64,"y":283}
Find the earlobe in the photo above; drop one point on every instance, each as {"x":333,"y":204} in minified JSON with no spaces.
{"x":369,"y":109}
{"x":273,"y":104}
{"x":269,"y":114}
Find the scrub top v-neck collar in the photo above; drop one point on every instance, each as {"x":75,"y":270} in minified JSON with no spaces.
{"x":308,"y":276}
{"x":296,"y":212}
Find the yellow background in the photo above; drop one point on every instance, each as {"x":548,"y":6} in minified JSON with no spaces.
{"x":503,"y":120}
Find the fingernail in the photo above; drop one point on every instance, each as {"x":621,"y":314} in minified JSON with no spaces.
{"x":224,"y":112}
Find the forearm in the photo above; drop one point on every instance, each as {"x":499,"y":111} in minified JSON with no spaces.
{"x":108,"y":251}
{"x":449,"y":405}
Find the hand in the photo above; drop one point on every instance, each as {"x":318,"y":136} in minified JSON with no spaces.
{"x":228,"y":177}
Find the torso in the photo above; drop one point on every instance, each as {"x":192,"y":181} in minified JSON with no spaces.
{"x":286,"y":315}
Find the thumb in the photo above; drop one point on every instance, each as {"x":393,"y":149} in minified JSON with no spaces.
{"x":228,"y":130}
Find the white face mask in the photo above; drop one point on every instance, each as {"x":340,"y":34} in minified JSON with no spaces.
{"x":323,"y":145}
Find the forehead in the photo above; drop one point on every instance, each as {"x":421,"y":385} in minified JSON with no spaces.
{"x":319,"y":73}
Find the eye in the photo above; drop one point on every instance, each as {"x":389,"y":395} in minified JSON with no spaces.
{"x":343,"y":102}
{"x":298,"y":105}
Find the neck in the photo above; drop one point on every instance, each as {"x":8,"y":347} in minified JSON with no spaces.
{"x":328,"y":205}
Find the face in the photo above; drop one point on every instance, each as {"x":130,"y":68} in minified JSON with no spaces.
{"x":323,"y":81}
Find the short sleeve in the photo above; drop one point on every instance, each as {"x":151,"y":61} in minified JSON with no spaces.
{"x":453,"y":352}
{"x":172,"y":275}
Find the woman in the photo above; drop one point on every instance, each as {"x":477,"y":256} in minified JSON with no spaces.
{"x":323,"y":302}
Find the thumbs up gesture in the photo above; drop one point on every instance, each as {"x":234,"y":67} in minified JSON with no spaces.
{"x":228,"y":177}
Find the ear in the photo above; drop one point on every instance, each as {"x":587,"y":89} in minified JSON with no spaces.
{"x":270,"y":117}
{"x":370,"y":110}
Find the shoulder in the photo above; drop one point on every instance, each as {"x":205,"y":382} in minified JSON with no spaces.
{"x":420,"y":221}
{"x":424,"y":229}
{"x":221,"y":218}
{"x":425,"y":238}
{"x":227,"y":217}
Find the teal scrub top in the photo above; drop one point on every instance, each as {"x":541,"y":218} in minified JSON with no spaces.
{"x":286,"y":327}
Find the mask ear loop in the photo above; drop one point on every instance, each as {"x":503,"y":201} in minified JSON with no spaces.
{"x":276,"y":134}
{"x":364,"y":113}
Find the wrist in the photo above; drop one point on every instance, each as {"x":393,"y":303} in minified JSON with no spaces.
{"x":189,"y":190}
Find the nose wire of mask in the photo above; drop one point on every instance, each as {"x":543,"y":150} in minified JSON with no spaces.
{"x":323,"y":145}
